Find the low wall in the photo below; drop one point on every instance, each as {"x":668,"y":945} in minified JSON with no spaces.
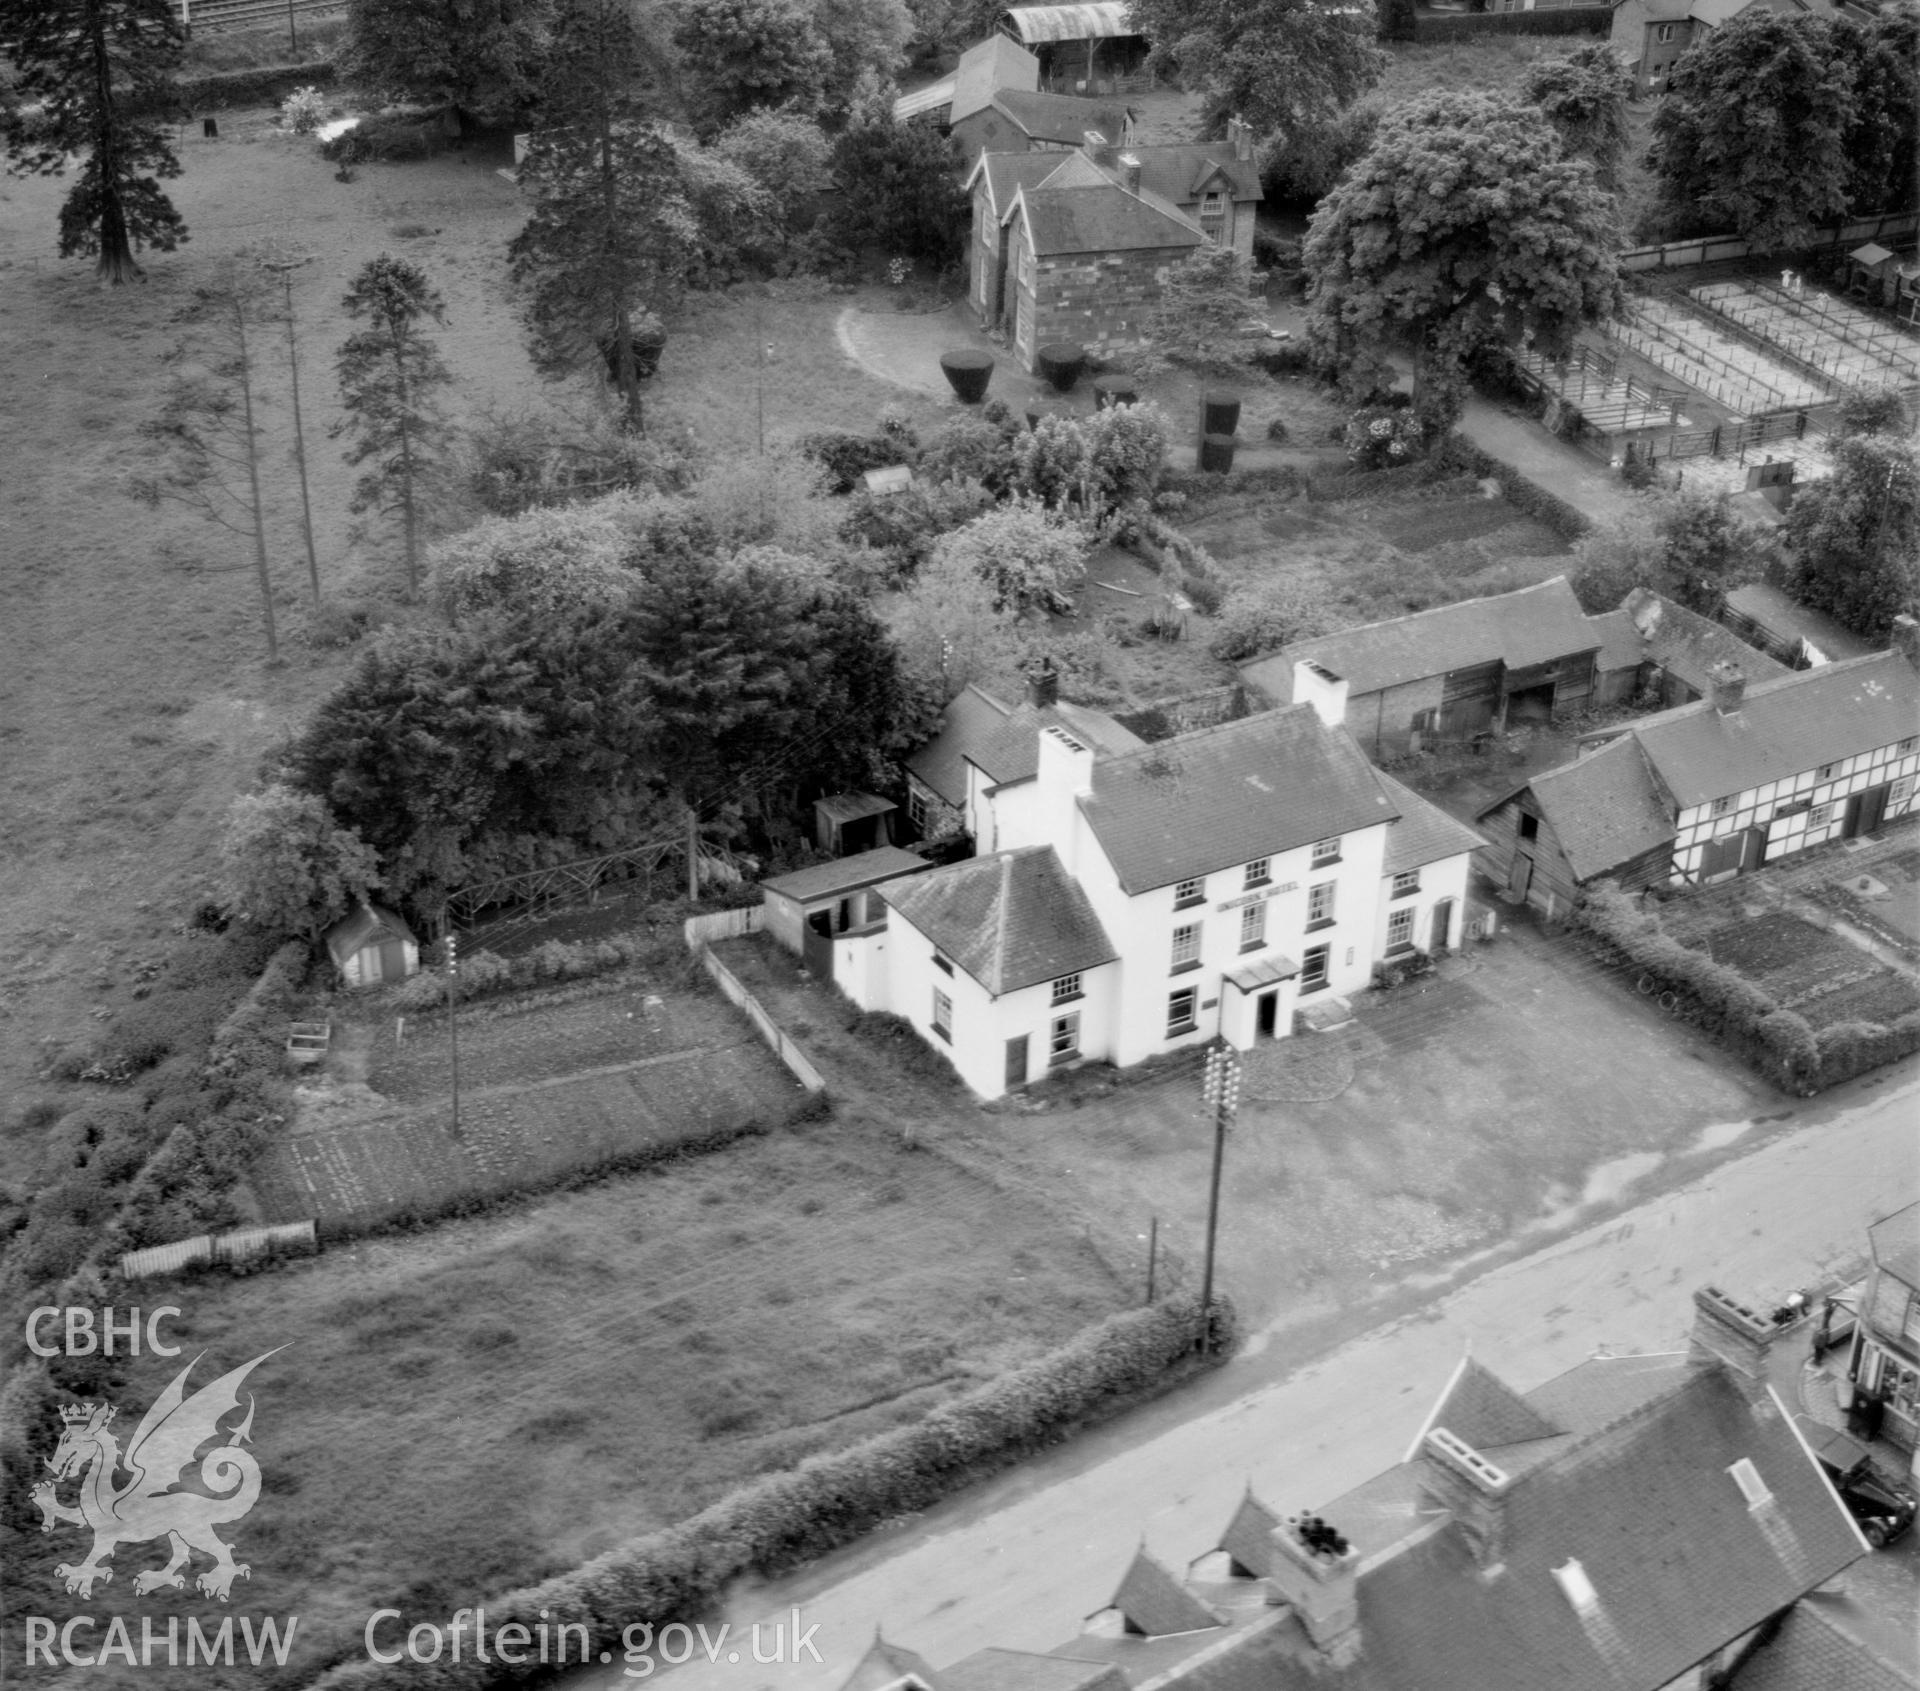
{"x":770,"y":1030}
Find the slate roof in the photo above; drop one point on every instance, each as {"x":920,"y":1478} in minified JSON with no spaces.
{"x":1005,"y":173}
{"x":987,"y":68}
{"x":845,"y":874}
{"x":889,"y":1665}
{"x":1817,"y":1649}
{"x":1787,"y":619}
{"x":1605,"y":808}
{"x":1177,"y":172}
{"x":1247,"y":1538}
{"x":1799,"y":721}
{"x":1620,"y":644}
{"x":1220,"y":796}
{"x":1424,"y":833}
{"x":1529,"y":626}
{"x":1042,"y":116}
{"x":1073,"y":216}
{"x":1010,"y":920}
{"x":366,"y":926}
{"x":1095,"y":20}
{"x":1687,"y":645}
{"x":1896,"y":1244}
{"x":1483,"y":1409}
{"x":852,"y":807}
{"x":1018,"y":1670}
{"x":1004,"y":740}
{"x":928,"y":99}
{"x":1156,"y":1604}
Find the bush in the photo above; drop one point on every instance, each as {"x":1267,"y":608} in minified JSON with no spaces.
{"x":1381,"y":437}
{"x":794,"y":1514}
{"x":302,"y":110}
{"x":256,"y":85}
{"x":1276,"y":430}
{"x":847,"y":457}
{"x":386,"y":137}
{"x":1263,"y":616}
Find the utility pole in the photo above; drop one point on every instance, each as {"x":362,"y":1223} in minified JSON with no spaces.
{"x":453,"y":1015}
{"x":300,"y":439}
{"x":1220,"y":1087}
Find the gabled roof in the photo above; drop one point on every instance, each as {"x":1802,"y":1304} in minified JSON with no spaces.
{"x":1605,"y":809}
{"x":366,"y":926}
{"x":1796,"y":722}
{"x":1018,"y":1670}
{"x":1423,"y":833}
{"x":987,"y":68}
{"x":1820,"y":1647}
{"x":1895,"y":1241}
{"x":971,"y":714}
{"x":1687,"y":645}
{"x":1154,"y":1602}
{"x":1788,"y":620}
{"x":1529,"y":626}
{"x":1483,"y":1409}
{"x":1042,"y":116}
{"x":1001,"y":174}
{"x":1095,"y":20}
{"x":1220,"y":796}
{"x":1248,"y":1538}
{"x":1101,"y":219}
{"x":1003,"y":741}
{"x":889,"y":1667}
{"x":846,"y":874}
{"x":1179,"y":172}
{"x":1010,"y":920}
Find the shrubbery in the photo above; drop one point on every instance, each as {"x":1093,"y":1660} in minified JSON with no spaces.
{"x":789,"y":1516}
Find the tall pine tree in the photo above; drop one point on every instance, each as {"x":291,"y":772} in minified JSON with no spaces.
{"x":94,"y":79}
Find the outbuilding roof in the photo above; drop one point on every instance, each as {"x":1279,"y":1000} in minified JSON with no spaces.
{"x":366,"y":926}
{"x":1605,"y":809}
{"x":1011,"y":920}
{"x":1687,"y":645}
{"x":1798,"y":722}
{"x":1066,"y":118}
{"x":923,"y":100}
{"x":1787,"y":620}
{"x":845,"y":874}
{"x":988,"y":68}
{"x":1224,"y":795}
{"x":1097,"y":20}
{"x":1529,"y":626}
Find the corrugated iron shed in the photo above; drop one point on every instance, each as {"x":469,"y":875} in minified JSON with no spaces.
{"x":1100,"y":20}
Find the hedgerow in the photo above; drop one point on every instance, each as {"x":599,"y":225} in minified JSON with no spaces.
{"x":792,"y":1515}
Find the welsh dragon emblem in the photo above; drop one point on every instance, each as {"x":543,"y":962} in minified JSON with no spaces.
{"x":162,"y":1455}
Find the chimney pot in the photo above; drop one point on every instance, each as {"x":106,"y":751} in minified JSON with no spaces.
{"x":1043,"y":685}
{"x":1320,"y":1585}
{"x":1318,"y":686}
{"x":1729,"y":687}
{"x":1131,"y":165}
{"x":1736,"y":1337}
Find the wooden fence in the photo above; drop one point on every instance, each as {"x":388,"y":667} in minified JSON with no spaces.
{"x":236,"y":1249}
{"x":249,"y":14}
{"x":770,"y":1030}
{"x":1718,"y":249}
{"x":724,"y":924}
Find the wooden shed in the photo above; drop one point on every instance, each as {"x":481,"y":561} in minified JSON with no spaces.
{"x":1089,"y":48}
{"x":372,"y":947}
{"x":807,"y":908}
{"x":845,"y":823}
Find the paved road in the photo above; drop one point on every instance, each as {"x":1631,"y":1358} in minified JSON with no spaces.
{"x":1018,"y":1562}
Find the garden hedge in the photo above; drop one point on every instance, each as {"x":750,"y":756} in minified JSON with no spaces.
{"x":1459,"y":455}
{"x":257,"y":85}
{"x":1779,"y":1042}
{"x":795,"y":1514}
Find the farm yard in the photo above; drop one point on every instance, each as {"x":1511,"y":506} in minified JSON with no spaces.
{"x":461,"y":1411}
{"x":611,"y":1073}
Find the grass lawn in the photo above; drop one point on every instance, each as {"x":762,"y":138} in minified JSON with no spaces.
{"x":461,"y":1411}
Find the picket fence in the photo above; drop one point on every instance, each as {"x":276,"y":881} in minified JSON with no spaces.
{"x":232,"y":1250}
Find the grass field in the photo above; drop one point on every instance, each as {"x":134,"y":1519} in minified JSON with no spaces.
{"x":460,"y":1411}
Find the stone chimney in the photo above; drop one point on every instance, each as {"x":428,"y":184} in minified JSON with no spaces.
{"x":1729,"y":686}
{"x":1735,"y":1337}
{"x":1472,"y":1489}
{"x":1317,"y":1572}
{"x":1098,"y":148}
{"x":1043,"y":685}
{"x":1130,"y":170}
{"x":1321,"y":688}
{"x":1240,"y":138}
{"x":1905,"y":638}
{"x":1065,"y":777}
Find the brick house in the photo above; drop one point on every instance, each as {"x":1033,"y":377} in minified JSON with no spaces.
{"x":1075,"y":248}
{"x":1637,"y":1523}
{"x":1712,"y":789}
{"x":1449,"y":673}
{"x":1651,"y":34}
{"x":1130,"y":902}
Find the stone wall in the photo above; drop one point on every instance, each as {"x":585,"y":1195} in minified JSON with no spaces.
{"x":1100,"y":300}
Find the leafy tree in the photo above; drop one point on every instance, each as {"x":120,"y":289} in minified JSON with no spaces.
{"x":784,"y":153}
{"x":950,"y":632}
{"x":1279,"y":64}
{"x":865,"y":39}
{"x":779,"y":500}
{"x":611,"y":237}
{"x":1264,"y":615}
{"x":1202,"y":312}
{"x":733,"y":215}
{"x":484,"y":56}
{"x":545,"y":562}
{"x":1030,"y":557}
{"x":1462,"y":226}
{"x":207,"y":435}
{"x":898,"y":191}
{"x":287,"y":866}
{"x":1584,"y":95}
{"x":390,"y":374}
{"x":94,"y":79}
{"x":740,"y":55}
{"x":1303,"y":163}
{"x":1706,"y":549}
{"x":1855,"y":537}
{"x":1872,"y":411}
{"x":1750,"y":136}
{"x":1882,"y":142}
{"x":1612,"y":559}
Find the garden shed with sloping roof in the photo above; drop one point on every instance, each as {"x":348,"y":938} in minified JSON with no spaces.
{"x":1092,"y":48}
{"x":373,"y":947}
